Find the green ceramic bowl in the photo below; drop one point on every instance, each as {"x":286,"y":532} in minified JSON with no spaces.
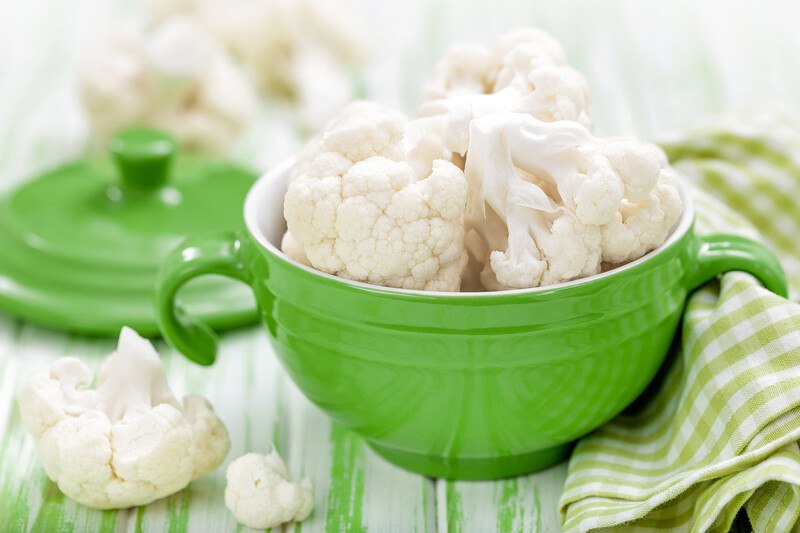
{"x":460,"y":385}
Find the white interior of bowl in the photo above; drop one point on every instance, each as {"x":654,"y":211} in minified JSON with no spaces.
{"x":263,"y":214}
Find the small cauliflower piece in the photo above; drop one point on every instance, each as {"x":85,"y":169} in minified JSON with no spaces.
{"x":568,"y":201}
{"x":174,"y":77}
{"x":126,"y":443}
{"x":261,"y":495}
{"x":359,"y":210}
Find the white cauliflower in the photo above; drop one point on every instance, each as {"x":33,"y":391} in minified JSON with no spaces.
{"x":525,"y":72}
{"x":365,"y":129}
{"x":361,"y":130}
{"x":360,"y":212}
{"x":128,"y":441}
{"x":174,"y":77}
{"x":534,"y":64}
{"x":294,"y":249}
{"x":547,"y":201}
{"x":465,"y":69}
{"x":640,"y":226}
{"x":299,"y":50}
{"x":117,"y":83}
{"x":551,"y":202}
{"x":261,"y":495}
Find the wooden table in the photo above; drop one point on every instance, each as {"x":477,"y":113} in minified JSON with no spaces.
{"x":652,"y":66}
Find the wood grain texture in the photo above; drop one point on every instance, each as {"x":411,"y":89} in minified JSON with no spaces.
{"x":653,"y":67}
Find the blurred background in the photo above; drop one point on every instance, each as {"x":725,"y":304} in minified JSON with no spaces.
{"x":653,"y":67}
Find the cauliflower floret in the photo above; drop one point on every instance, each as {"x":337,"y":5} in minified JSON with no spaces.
{"x":269,"y":36}
{"x":299,"y":50}
{"x":362,"y":129}
{"x":365,"y":129}
{"x":639,"y":227}
{"x":525,"y":72}
{"x":535,"y":64}
{"x":465,"y":69}
{"x":174,"y":77}
{"x":565,"y":199}
{"x":293,"y":249}
{"x":117,"y":84}
{"x":556,"y":93}
{"x":261,"y":495}
{"x":550,"y":249}
{"x":127,"y":442}
{"x":360,"y":212}
{"x":638,"y":164}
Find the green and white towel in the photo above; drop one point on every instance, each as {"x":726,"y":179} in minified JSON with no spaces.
{"x":719,"y":430}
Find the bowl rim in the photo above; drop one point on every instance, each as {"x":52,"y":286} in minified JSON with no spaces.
{"x":262,"y":188}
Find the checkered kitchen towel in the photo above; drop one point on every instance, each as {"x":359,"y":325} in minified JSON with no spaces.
{"x":720,"y":430}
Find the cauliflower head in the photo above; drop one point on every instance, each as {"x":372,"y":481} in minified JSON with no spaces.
{"x":174,"y":76}
{"x":358,"y":209}
{"x":261,"y":495}
{"x":549,"y":202}
{"x":127,"y":442}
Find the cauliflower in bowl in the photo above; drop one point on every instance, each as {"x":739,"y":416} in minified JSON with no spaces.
{"x":357,"y":209}
{"x":499,"y":180}
{"x":551,"y":203}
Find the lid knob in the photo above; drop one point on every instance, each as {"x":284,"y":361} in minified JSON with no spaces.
{"x":143,"y":157}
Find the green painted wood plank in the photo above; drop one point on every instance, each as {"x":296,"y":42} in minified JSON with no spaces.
{"x":241,"y":386}
{"x":400,"y":501}
{"x":523,"y":504}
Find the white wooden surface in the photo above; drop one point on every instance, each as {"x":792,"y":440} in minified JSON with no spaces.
{"x":653,"y":67}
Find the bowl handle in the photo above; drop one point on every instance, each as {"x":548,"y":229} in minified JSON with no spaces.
{"x":720,"y":253}
{"x":222,"y":254}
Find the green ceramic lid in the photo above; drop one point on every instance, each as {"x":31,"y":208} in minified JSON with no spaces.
{"x":81,"y":244}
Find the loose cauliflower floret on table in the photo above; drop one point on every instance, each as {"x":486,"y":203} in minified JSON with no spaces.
{"x":359,"y":211}
{"x":261,"y":495}
{"x":127,"y":442}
